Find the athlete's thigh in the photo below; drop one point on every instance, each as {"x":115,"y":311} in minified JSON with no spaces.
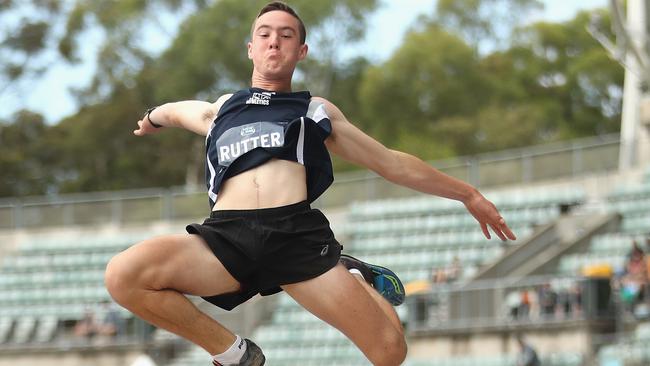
{"x":182,"y":262}
{"x":339,"y":299}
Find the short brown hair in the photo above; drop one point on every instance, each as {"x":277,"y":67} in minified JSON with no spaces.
{"x":279,"y":5}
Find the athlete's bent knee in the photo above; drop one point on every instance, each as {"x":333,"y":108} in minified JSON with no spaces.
{"x":391,"y":351}
{"x":121,"y":279}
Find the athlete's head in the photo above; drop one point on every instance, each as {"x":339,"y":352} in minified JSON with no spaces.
{"x":280,"y":6}
{"x":277,"y":41}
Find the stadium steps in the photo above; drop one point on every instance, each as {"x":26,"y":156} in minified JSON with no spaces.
{"x":632,"y":202}
{"x":415,"y":236}
{"x":540,"y":253}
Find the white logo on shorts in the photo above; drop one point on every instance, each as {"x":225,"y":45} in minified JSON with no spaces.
{"x":325,"y":250}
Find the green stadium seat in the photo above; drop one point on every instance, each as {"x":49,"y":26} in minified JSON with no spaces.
{"x":47,"y":326}
{"x":24,"y":329}
{"x":6,"y":325}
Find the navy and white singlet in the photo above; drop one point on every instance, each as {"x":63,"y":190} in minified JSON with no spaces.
{"x":255,"y":125}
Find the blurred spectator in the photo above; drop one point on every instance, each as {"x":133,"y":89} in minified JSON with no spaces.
{"x":438,"y":276}
{"x":533,"y":301}
{"x":647,"y":250}
{"x":448,"y":274}
{"x":527,"y":355}
{"x":524,"y":305}
{"x":455,"y":270}
{"x":547,"y":301}
{"x":575,"y":300}
{"x":635,"y":278}
{"x":569,"y":300}
{"x":647,"y":286}
{"x":87,"y":326}
{"x":513,"y":301}
{"x":112,"y":324}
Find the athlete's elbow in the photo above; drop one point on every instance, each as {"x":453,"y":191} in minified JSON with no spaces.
{"x":394,"y":176}
{"x":395,"y":172}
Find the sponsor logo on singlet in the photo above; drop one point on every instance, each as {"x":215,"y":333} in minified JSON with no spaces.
{"x":239,"y":140}
{"x":263,"y":98}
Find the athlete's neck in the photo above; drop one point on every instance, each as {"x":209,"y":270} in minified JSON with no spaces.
{"x":277,"y":85}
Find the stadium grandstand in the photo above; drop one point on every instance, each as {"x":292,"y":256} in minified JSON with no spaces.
{"x":577,"y":216}
{"x":580,"y":209}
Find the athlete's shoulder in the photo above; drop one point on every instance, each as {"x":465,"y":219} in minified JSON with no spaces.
{"x":318,"y":99}
{"x":330,"y":108}
{"x":216,"y":106}
{"x":321,"y":102}
{"x":225,"y":97}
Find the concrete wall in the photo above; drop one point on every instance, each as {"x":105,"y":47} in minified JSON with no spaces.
{"x":545,"y":341}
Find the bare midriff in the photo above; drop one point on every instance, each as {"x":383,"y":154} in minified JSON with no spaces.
{"x":273,"y":184}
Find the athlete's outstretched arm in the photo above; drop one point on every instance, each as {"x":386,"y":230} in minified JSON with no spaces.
{"x":353,"y":145}
{"x":192,"y":115}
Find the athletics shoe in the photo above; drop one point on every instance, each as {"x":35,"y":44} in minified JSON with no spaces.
{"x":252,"y":357}
{"x":382,"y":279}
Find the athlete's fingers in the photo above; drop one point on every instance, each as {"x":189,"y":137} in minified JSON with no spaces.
{"x":485,"y":230}
{"x":139,"y":131}
{"x":506,"y":230}
{"x":498,"y":232}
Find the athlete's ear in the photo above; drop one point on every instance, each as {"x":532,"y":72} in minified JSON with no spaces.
{"x":302,"y":53}
{"x":250,"y":50}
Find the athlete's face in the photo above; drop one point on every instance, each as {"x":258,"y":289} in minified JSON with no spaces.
{"x":275,"y":44}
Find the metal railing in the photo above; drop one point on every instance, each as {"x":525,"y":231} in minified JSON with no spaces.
{"x":496,"y":304}
{"x":515,"y":166}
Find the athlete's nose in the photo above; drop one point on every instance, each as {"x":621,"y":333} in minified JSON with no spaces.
{"x":273,"y":41}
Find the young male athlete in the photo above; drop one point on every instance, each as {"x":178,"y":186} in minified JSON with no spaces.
{"x":267,"y":159}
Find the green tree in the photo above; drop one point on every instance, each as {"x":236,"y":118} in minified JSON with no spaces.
{"x":438,"y":96}
{"x":486,"y":23}
{"x":560,"y":63}
{"x":27,"y":32}
{"x":433,"y":75}
{"x":25,"y":156}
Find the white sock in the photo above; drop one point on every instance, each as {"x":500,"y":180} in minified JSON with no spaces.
{"x":355,"y":271}
{"x":233,"y":355}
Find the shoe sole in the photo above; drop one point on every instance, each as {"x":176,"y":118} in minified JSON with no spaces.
{"x":258,"y":358}
{"x":261,"y":359}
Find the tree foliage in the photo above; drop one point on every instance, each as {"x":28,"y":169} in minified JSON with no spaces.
{"x":487,"y":22}
{"x":440,"y":94}
{"x":554,"y":82}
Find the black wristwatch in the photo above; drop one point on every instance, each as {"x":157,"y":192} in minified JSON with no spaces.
{"x":155,"y":125}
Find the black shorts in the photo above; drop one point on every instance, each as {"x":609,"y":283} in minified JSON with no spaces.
{"x":269,"y":247}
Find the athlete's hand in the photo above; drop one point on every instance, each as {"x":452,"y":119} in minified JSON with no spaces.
{"x":145,"y":128}
{"x":486,"y":214}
